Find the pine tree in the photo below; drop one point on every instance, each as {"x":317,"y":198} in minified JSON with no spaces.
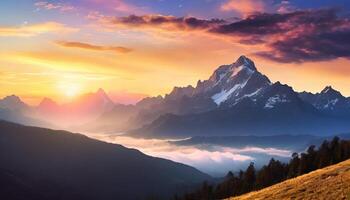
{"x":249,"y":178}
{"x":293,"y":166}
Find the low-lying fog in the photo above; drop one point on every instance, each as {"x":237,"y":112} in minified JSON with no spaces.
{"x":212,"y":159}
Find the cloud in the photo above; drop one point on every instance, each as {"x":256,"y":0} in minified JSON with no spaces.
{"x":112,"y":6}
{"x":299,"y":36}
{"x":245,"y":7}
{"x":122,"y":6}
{"x":54,"y":6}
{"x":35,"y":29}
{"x":166,"y":21}
{"x":285,"y":7}
{"x":211,"y":159}
{"x":248,"y":7}
{"x":88,"y":46}
{"x":292,"y":37}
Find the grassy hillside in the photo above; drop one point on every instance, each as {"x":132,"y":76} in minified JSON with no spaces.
{"x":332,"y":182}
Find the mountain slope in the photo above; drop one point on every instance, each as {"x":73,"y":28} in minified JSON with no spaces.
{"x":235,"y":100}
{"x":13,"y":103}
{"x":332,"y":182}
{"x":13,"y":109}
{"x":72,"y":165}
{"x":226,"y":86}
{"x":247,"y":104}
{"x":328,"y":101}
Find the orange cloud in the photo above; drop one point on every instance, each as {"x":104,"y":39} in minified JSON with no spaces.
{"x":87,"y":46}
{"x":35,"y":29}
{"x":245,"y":7}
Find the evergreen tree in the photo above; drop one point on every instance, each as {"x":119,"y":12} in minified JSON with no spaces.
{"x":324,"y":156}
{"x":274,"y":172}
{"x":335,"y":150}
{"x":249,"y":178}
{"x":293,"y":166}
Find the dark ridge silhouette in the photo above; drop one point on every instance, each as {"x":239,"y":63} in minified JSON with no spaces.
{"x":47,"y":164}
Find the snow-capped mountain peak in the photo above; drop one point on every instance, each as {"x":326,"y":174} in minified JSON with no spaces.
{"x":328,"y":100}
{"x":244,"y":61}
{"x":232,"y":83}
{"x":328,"y":90}
{"x":224,"y":72}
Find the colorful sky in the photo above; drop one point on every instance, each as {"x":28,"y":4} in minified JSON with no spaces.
{"x":135,"y":48}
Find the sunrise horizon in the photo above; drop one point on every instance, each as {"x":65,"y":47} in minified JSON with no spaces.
{"x":174,"y":99}
{"x":73,"y":92}
{"x":97,"y":48}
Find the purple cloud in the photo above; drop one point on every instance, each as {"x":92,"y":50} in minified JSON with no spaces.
{"x":299,"y":36}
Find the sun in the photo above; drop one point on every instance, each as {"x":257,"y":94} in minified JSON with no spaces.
{"x":70,"y":90}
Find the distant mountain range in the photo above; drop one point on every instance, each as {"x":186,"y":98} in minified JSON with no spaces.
{"x":236,"y":100}
{"x":48,"y":113}
{"x":248,"y":103}
{"x":37,"y":163}
{"x":295,"y":143}
{"x":328,"y":101}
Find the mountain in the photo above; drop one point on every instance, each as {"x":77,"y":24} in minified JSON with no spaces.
{"x":247,"y":103}
{"x":332,"y":182}
{"x":61,"y":165}
{"x":48,"y":106}
{"x":295,"y":143}
{"x":328,"y":101}
{"x":117,"y":119}
{"x":13,"y":103}
{"x":15,"y":187}
{"x":229,"y":84}
{"x":13,"y":109}
{"x":81,"y":110}
{"x":235,"y":100}
{"x":226,"y":86}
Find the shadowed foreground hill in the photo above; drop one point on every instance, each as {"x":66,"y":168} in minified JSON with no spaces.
{"x":332,"y":182}
{"x":37,"y":163}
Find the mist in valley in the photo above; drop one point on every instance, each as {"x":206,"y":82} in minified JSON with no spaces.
{"x":215,"y":160}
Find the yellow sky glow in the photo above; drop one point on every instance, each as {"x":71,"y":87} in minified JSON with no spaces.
{"x":37,"y":67}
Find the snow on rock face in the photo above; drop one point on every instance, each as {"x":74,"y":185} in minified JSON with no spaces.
{"x":223,"y":95}
{"x":252,"y":94}
{"x":272,"y":101}
{"x":236,"y":70}
{"x":331,"y":104}
{"x":232,"y":81}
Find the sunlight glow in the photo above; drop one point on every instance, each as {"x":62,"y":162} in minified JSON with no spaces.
{"x":70,"y":90}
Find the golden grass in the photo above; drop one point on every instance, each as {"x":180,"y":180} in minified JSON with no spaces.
{"x":330,"y":183}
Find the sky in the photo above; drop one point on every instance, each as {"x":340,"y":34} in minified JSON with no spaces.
{"x":138,"y":48}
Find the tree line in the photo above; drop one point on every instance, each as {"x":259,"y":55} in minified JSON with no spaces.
{"x":329,"y":153}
